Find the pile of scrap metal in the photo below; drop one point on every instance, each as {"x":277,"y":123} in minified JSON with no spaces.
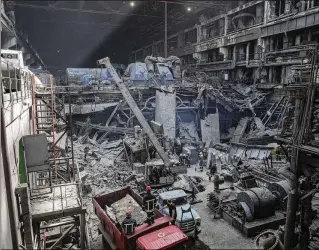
{"x":237,"y":97}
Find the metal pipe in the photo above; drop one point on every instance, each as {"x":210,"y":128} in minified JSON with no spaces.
{"x":71,"y":137}
{"x":292,"y":203}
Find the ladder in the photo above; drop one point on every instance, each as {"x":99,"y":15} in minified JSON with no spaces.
{"x":44,"y":107}
{"x":275,"y":110}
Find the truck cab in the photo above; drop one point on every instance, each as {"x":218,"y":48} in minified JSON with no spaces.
{"x":188,"y":220}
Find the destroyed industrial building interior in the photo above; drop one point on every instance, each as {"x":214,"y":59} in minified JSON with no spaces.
{"x":159,"y":125}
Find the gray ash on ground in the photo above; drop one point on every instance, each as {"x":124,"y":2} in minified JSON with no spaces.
{"x":196,"y":245}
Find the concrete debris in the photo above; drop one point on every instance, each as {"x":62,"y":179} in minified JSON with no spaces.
{"x":240,"y":129}
{"x":188,"y":131}
{"x":128,"y":204}
{"x":210,"y":130}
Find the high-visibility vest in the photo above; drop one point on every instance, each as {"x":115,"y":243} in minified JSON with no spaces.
{"x":150,"y":205}
{"x":128,"y":228}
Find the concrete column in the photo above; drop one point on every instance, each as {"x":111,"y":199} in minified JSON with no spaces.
{"x":221,"y":25}
{"x":271,"y":43}
{"x":287,"y":6}
{"x":165,"y":112}
{"x":259,"y":13}
{"x":199,"y":33}
{"x":270,"y":74}
{"x":283,"y":74}
{"x":303,"y":5}
{"x":241,"y":52}
{"x":226,"y":25}
{"x":256,"y":49}
{"x":224,"y":51}
{"x":247,"y":52}
{"x":298,"y":40}
{"x":285,"y":42}
{"x":266,"y":11}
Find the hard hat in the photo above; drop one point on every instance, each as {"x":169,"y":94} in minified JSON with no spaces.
{"x":148,"y":188}
{"x":129,"y":212}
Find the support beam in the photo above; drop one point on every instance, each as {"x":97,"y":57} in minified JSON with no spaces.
{"x":82,"y":231}
{"x":165,"y":31}
{"x":137,"y":112}
{"x":65,"y":233}
{"x":24,"y":196}
{"x":113,"y":113}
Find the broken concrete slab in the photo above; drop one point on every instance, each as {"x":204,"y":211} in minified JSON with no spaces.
{"x":165,"y":112}
{"x":210,"y":130}
{"x":240,"y":129}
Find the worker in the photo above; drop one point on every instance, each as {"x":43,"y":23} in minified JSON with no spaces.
{"x":273,"y":154}
{"x":129,"y":223}
{"x":212,"y":170}
{"x":201,"y":160}
{"x":166,"y":172}
{"x":149,"y":201}
{"x":188,"y":160}
{"x":172,"y":210}
{"x":182,"y":158}
{"x":156,"y":175}
{"x":86,"y":151}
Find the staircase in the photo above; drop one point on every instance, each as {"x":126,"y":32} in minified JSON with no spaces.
{"x":276,"y":112}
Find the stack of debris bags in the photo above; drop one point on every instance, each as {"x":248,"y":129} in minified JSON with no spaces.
{"x":125,"y":204}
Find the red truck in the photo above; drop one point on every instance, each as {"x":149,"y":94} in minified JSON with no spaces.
{"x":160,"y":235}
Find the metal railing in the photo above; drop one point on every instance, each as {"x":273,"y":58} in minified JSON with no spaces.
{"x":16,"y":82}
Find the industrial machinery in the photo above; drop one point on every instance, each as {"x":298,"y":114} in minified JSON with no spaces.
{"x":135,"y":109}
{"x":256,"y":203}
{"x":254,"y":209}
{"x":169,"y":67}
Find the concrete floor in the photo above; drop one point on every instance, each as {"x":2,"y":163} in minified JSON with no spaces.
{"x":217,"y":233}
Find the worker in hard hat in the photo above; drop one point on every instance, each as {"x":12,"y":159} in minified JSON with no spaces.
{"x":188,"y":159}
{"x":129,"y":223}
{"x":149,"y":202}
{"x":172,"y":210}
{"x":86,"y":151}
{"x":201,"y":160}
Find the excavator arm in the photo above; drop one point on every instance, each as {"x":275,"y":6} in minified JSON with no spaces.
{"x":135,"y":109}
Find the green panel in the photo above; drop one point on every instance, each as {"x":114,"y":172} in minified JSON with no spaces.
{"x":22,"y":176}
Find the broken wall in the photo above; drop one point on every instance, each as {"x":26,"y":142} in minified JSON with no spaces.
{"x":210,"y":129}
{"x":165,"y":112}
{"x":17,"y":120}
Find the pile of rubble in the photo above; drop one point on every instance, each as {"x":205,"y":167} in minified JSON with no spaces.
{"x":119,"y":209}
